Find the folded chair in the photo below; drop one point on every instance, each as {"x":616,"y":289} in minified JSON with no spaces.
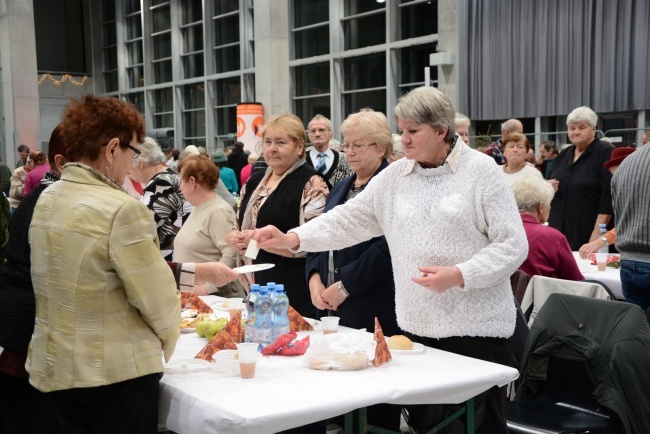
{"x":584,"y":369}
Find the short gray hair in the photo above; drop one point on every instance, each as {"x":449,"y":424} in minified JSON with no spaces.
{"x":461,"y":120}
{"x":582,"y":114}
{"x":150,"y":153}
{"x":427,"y":105}
{"x":320,"y":117}
{"x":529,"y":192}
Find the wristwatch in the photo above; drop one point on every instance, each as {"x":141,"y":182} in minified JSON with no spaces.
{"x":605,"y":240}
{"x":341,"y":289}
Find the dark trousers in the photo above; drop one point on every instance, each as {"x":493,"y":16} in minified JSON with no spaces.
{"x":127,"y":407}
{"x":23,"y":409}
{"x":496,"y":350}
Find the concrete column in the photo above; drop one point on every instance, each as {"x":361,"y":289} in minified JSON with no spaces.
{"x":19,"y":76}
{"x":272,"y":78}
{"x":451,"y":40}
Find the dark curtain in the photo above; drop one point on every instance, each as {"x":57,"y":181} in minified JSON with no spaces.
{"x":529,"y":58}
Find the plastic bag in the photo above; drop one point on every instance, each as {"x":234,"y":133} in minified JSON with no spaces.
{"x":341,"y":351}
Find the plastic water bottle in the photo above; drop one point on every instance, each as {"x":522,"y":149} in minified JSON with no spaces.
{"x":251,"y":333}
{"x":601,"y":254}
{"x":280,"y":308}
{"x":603,"y":231}
{"x":271,"y":287}
{"x":263,"y":323}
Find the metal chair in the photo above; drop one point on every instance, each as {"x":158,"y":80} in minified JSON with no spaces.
{"x":579,"y":354}
{"x":607,"y":288}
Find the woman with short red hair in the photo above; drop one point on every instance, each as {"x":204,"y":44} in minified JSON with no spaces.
{"x":202,"y":238}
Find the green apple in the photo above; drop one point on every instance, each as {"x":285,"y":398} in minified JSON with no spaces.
{"x":202,"y":327}
{"x":215,"y":327}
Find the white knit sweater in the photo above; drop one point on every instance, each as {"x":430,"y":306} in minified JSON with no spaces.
{"x":462,"y":214}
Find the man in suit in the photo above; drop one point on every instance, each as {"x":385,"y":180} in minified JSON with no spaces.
{"x":330,"y":163}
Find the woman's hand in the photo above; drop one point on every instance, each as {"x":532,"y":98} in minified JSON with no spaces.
{"x":316,"y":289}
{"x":554,"y":183}
{"x":333,"y":296}
{"x":238,"y":240}
{"x":587,"y":249}
{"x":216,"y":273}
{"x":439,"y":279}
{"x":272,"y":237}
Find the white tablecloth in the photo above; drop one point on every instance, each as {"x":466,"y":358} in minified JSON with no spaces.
{"x":610,"y":277}
{"x":286,"y":394}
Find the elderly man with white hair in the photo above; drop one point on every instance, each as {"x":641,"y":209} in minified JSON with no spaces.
{"x":332,"y":164}
{"x":583,"y":199}
{"x":549,"y":253}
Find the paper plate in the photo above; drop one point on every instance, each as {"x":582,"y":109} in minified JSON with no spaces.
{"x":253,"y":268}
{"x":188,"y":330}
{"x":186,"y":366}
{"x":417,"y":349}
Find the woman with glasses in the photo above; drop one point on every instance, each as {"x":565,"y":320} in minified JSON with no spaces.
{"x":162,"y":194}
{"x":107,"y":307}
{"x":287,"y":194}
{"x":357,"y":282}
{"x":455,"y":237}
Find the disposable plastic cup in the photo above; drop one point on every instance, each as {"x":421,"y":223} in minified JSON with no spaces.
{"x":601,"y":261}
{"x":235,"y":306}
{"x":248,"y":356}
{"x":330,"y":324}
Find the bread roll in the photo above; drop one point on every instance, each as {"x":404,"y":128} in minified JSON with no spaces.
{"x":400,"y":342}
{"x":352,"y":361}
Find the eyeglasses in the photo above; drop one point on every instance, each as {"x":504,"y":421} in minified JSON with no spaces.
{"x":318,"y":130}
{"x":356,"y":148}
{"x":136,"y":151}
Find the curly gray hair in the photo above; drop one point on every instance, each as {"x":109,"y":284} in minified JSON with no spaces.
{"x":530,"y":192}
{"x":582,"y":114}
{"x":150,"y":153}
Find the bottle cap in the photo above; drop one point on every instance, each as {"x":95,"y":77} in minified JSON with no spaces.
{"x":255,"y":287}
{"x":279,"y":287}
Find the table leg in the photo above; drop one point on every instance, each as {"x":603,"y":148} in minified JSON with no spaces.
{"x":355,"y":421}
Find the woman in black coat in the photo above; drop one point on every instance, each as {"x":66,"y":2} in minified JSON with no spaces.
{"x":357,"y":282}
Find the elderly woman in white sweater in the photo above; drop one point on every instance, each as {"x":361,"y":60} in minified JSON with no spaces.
{"x":454,"y":234}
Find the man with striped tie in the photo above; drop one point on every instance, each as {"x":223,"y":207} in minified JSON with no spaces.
{"x":327,"y":161}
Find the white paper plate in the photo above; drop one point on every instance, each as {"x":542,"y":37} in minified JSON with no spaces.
{"x":253,"y":268}
{"x":188,"y":330}
{"x":417,"y":349}
{"x":187,"y":366}
{"x":219,"y":306}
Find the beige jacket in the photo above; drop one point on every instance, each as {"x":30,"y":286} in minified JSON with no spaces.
{"x":106,"y":302}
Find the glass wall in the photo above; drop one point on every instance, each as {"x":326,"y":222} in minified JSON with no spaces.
{"x":358,"y":53}
{"x":161,"y":41}
{"x":186,"y":64}
{"x":108,"y":41}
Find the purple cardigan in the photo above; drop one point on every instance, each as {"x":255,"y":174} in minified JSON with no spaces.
{"x":549,"y":253}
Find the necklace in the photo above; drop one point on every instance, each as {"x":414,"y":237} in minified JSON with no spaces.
{"x":357,"y":188}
